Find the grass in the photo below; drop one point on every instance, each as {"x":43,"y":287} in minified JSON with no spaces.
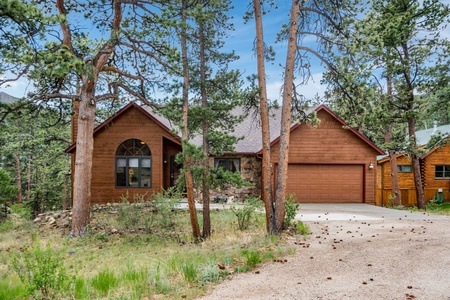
{"x":140,"y":261}
{"x":440,"y":209}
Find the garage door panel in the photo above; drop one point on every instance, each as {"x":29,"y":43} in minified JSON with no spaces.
{"x":326,"y":183}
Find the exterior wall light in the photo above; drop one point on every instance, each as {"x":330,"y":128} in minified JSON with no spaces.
{"x":370,"y":165}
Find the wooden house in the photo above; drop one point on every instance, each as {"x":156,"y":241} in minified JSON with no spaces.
{"x":435,"y":172}
{"x":328,"y":163}
{"x":133,"y":155}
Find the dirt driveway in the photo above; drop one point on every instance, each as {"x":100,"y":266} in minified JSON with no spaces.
{"x":356,"y":255}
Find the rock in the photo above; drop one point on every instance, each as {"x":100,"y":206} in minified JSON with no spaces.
{"x":51,"y":221}
{"x":37,"y":220}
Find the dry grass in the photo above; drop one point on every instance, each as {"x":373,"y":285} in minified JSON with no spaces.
{"x":163,"y":261}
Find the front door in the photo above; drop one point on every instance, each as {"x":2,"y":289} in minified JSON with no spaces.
{"x":174,"y":171}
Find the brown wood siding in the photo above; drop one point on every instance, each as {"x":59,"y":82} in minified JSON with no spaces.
{"x":440,"y":156}
{"x":326,"y":183}
{"x":132,"y":124}
{"x":330,"y":143}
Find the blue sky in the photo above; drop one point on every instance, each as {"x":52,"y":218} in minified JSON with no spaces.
{"x":241,"y":40}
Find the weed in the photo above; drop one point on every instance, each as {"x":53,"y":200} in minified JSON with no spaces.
{"x":252,"y":258}
{"x":302,"y":228}
{"x":159,"y":280}
{"x":190,"y":271}
{"x":10,"y":289}
{"x":42,"y":271}
{"x":81,"y":289}
{"x":245,"y":213}
{"x":104,"y":282}
{"x":211,"y":273}
{"x":102,"y":236}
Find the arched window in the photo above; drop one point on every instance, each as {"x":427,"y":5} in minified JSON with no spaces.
{"x":133,"y":164}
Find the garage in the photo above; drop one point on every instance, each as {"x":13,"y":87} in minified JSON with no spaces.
{"x":326,"y":183}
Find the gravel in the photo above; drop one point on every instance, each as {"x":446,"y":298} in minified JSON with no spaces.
{"x":355,"y":259}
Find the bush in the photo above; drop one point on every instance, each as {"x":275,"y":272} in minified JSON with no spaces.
{"x":245,"y":213}
{"x":23,"y":211}
{"x":42,"y":271}
{"x":291,"y":210}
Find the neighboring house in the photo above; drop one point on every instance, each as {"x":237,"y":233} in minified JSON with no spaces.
{"x":6,"y":98}
{"x":434,"y":166}
{"x":328,"y":162}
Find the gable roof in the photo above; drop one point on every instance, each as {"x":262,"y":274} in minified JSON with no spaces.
{"x":249,"y":128}
{"x":151,"y":116}
{"x":424,"y":136}
{"x":6,"y":98}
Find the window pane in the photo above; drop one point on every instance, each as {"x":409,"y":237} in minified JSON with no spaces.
{"x":121,"y":162}
{"x":222,"y":163}
{"x":404,"y":168}
{"x":234,"y":165}
{"x":133,"y":162}
{"x":133,"y":177}
{"x":121,"y":179}
{"x":145,"y":163}
{"x":146,"y":178}
{"x":439,"y":168}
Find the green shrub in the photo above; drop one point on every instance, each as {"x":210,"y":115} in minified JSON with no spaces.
{"x":211,"y":273}
{"x":21,"y":210}
{"x":104,"y":282}
{"x":245,"y":214}
{"x":291,"y":210}
{"x":129,"y":215}
{"x":301,"y":228}
{"x":165,"y":207}
{"x":252,"y":258}
{"x":42,"y":271}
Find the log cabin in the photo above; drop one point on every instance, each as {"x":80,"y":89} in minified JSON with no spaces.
{"x":435,"y":171}
{"x":329,"y":162}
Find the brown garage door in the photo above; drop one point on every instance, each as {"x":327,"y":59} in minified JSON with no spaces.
{"x":326,"y":183}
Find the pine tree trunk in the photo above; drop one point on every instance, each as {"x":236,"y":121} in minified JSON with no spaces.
{"x":413,"y":147}
{"x":205,"y":130}
{"x":283,"y":156}
{"x":18,"y":178}
{"x":416,"y":164}
{"x":392,"y":153}
{"x":394,"y":178}
{"x":83,"y":165}
{"x":29,"y":177}
{"x":266,"y":164}
{"x":185,"y":133}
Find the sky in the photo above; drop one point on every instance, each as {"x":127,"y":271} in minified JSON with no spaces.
{"x":241,"y":41}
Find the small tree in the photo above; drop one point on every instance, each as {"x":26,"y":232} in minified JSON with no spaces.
{"x":7,"y":190}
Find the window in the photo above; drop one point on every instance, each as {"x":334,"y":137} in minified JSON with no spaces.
{"x":133,"y":164}
{"x":229,"y":164}
{"x":442,"y":172}
{"x":404,"y":168}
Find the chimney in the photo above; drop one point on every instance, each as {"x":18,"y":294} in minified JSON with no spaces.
{"x":434,"y":127}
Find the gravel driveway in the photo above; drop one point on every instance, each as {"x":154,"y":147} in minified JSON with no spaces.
{"x":360,"y":252}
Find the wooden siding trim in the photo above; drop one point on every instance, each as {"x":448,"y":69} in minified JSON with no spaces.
{"x":130,"y":105}
{"x":326,"y":109}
